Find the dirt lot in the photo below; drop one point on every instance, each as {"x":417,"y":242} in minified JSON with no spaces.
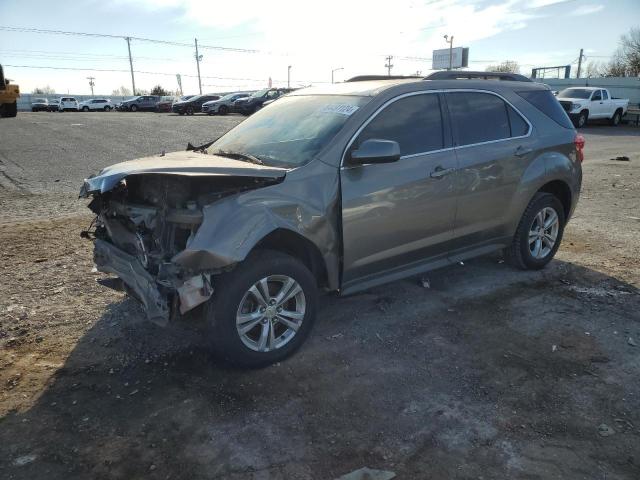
{"x":490,"y":373}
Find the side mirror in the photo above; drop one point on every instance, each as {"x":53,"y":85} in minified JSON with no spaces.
{"x":375,"y":151}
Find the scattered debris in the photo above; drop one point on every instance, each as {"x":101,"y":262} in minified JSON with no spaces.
{"x":605,"y":430}
{"x":424,"y":281}
{"x":366,"y":473}
{"x":632,"y":342}
{"x":554,"y":348}
{"x":24,"y":460}
{"x":622,"y":158}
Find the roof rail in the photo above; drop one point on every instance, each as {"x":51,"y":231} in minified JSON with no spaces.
{"x":364,"y":78}
{"x":467,"y":75}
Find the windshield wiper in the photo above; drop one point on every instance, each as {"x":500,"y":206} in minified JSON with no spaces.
{"x":239,"y":156}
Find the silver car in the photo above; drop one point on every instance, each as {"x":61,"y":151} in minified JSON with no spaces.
{"x":223,"y":105}
{"x":337,"y":188}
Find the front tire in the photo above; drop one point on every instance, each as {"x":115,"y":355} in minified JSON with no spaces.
{"x":189,"y":110}
{"x":582,"y":119}
{"x":134,"y":108}
{"x":223,"y":110}
{"x":539,"y":233}
{"x":263,"y":310}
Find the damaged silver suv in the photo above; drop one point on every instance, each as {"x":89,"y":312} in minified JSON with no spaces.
{"x":340,"y":189}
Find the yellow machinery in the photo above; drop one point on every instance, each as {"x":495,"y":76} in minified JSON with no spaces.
{"x":9,"y":94}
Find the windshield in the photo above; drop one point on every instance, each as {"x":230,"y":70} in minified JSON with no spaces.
{"x":229,"y":97}
{"x":40,"y":100}
{"x":575,"y":93}
{"x":259,"y":93}
{"x":291,"y":131}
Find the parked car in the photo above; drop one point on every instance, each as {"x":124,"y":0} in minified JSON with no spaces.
{"x":591,"y":103}
{"x":40,"y":105}
{"x":94,"y":104}
{"x":339,"y":188}
{"x":193,"y":104}
{"x":68,"y":104}
{"x":54,"y":105}
{"x":165,"y":103}
{"x":252,"y":103}
{"x":140,"y":103}
{"x":223,"y":105}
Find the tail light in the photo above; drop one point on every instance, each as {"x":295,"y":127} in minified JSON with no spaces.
{"x":579,"y":143}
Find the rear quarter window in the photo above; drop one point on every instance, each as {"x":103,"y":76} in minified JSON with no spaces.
{"x":547,"y":103}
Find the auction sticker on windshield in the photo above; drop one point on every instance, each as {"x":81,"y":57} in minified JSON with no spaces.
{"x":341,"y":108}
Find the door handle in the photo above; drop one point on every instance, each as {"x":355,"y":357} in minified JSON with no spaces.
{"x":440,"y":172}
{"x":522,"y":151}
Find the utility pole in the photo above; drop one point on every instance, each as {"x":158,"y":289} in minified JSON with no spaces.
{"x":133,"y":80}
{"x":335,"y":70}
{"x":91,"y":84}
{"x":198,"y":58}
{"x":388,"y":64}
{"x":450,"y":42}
{"x":580,"y":62}
{"x":289,"y":76}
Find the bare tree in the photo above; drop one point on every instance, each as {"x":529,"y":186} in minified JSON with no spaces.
{"x":616,"y":67}
{"x":508,"y":66}
{"x":46,"y":90}
{"x":630,"y":49}
{"x":594,"y":69}
{"x":121,"y":92}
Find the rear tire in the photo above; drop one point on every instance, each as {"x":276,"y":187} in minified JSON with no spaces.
{"x":523,"y":252}
{"x":231,"y":294}
{"x":9,"y":110}
{"x":615,"y":120}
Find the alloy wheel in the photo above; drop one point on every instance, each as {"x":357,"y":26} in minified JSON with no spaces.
{"x":543,"y":233}
{"x":270,"y":313}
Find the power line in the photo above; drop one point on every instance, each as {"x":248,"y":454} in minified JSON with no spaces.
{"x":139,"y":39}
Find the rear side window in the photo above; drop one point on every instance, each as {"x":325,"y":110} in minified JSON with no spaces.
{"x":478,"y":117}
{"x":519,"y":127}
{"x":415,"y":122}
{"x":548,"y":104}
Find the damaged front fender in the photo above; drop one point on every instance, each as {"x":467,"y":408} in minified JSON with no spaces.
{"x":233,"y":226}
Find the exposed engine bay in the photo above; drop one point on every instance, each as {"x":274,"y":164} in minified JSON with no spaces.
{"x":145,"y":220}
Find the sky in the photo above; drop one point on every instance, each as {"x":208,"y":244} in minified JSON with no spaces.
{"x":247,"y":42}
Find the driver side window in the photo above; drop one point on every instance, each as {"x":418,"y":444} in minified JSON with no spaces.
{"x":597,"y":95}
{"x":415,"y":122}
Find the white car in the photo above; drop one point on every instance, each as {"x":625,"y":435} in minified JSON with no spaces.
{"x":103,"y":104}
{"x":68,"y":104}
{"x":591,"y":103}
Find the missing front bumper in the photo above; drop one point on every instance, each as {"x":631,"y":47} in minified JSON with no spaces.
{"x":110,"y":259}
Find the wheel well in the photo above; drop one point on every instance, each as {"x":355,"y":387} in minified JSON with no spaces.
{"x":297,"y":246}
{"x":561,"y":191}
{"x":618,"y":110}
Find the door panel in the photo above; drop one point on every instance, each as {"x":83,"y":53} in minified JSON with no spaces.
{"x":396,"y":215}
{"x":494,"y":147}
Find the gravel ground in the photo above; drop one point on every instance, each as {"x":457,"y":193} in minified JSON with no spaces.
{"x":489,"y":373}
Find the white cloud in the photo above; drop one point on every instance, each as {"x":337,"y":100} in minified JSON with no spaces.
{"x":318,"y":36}
{"x":586,"y":10}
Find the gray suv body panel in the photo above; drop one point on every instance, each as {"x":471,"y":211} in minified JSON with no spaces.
{"x":374,"y":223}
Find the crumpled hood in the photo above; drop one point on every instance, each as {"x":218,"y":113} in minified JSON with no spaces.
{"x":177,"y":163}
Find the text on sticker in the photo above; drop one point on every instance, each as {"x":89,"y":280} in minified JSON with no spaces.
{"x":341,"y":108}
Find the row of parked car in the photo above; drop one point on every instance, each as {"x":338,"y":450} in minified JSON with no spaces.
{"x":240,"y":102}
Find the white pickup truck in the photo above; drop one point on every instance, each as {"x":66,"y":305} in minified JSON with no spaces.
{"x":591,"y":103}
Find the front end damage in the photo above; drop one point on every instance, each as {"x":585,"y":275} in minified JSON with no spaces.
{"x":146,"y":218}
